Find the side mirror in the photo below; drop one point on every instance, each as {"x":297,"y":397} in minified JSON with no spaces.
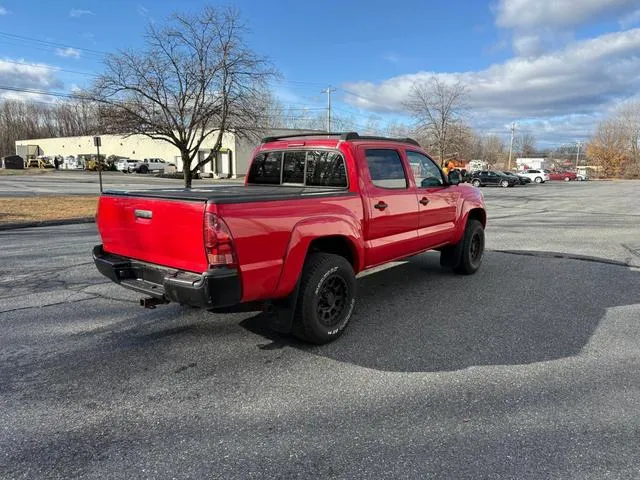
{"x":454,"y":177}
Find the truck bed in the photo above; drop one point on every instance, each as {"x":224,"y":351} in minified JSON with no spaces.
{"x":233,"y":193}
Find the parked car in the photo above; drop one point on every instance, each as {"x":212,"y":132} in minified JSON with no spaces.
{"x":127,"y":165}
{"x":521,"y":179}
{"x":580,"y":177}
{"x":564,"y":176}
{"x":151,"y":165}
{"x":485,"y":178}
{"x":315,"y":210}
{"x":537,"y":176}
{"x":13,"y":162}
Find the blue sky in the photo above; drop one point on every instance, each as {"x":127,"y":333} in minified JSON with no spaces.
{"x":555,"y":66}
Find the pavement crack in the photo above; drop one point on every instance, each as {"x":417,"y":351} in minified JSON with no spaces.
{"x":63,"y":302}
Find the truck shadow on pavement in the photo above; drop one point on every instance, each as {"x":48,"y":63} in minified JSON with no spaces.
{"x":515,"y":310}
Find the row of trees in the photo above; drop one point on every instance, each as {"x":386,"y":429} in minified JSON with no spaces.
{"x":21,"y":120}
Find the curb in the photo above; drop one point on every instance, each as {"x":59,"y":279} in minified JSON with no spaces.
{"x":46,"y":223}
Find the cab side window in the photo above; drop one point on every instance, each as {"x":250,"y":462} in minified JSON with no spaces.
{"x":425,"y":171}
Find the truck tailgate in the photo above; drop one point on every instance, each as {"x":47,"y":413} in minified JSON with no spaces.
{"x":160,"y":231}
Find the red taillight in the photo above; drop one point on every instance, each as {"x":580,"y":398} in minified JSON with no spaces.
{"x":218,"y":243}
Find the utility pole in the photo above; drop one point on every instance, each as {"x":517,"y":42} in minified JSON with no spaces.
{"x":513,"y":132}
{"x":578,"y":154}
{"x":328,"y":91}
{"x":97,"y":142}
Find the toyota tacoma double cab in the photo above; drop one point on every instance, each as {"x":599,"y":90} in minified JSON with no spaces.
{"x":314,"y":211}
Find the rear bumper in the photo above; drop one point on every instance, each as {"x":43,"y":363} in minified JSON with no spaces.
{"x":216,"y":288}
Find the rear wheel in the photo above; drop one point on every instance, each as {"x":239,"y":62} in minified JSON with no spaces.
{"x":144,"y":169}
{"x":465,"y":257}
{"x":567,"y":179}
{"x":538,"y":179}
{"x":504,"y":183}
{"x":476,"y":183}
{"x":326,"y":298}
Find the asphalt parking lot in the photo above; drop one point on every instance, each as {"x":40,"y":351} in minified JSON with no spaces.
{"x":528,"y":369}
{"x":79,"y":182}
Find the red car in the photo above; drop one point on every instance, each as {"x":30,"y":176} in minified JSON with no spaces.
{"x":564,"y":176}
{"x":315,"y":210}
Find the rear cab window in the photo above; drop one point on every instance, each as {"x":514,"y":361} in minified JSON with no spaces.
{"x":309,"y":168}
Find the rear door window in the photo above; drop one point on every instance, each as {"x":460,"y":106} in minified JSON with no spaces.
{"x":325,"y":169}
{"x":385,"y":168}
{"x":266,"y":169}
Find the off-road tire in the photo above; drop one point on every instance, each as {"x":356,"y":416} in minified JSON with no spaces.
{"x":322,"y":271}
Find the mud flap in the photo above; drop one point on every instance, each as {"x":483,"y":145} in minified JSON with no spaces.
{"x":451,"y":257}
{"x":281,"y":312}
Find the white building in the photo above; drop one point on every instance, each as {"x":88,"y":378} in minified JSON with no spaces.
{"x":232,"y":161}
{"x":531,"y":163}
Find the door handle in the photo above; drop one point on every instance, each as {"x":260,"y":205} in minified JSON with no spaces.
{"x":380,"y":205}
{"x":424,"y":201}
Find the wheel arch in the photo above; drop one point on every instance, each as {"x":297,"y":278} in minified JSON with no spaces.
{"x":342,"y":237}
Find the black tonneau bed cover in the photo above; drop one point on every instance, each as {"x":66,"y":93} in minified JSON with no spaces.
{"x":234,"y":193}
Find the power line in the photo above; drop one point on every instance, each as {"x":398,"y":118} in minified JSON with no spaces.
{"x":52,"y":44}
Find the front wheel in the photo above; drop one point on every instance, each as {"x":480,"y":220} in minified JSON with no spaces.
{"x":504,"y":184}
{"x":567,"y":179}
{"x":326,"y":298}
{"x":465,"y":257}
{"x":476,"y":183}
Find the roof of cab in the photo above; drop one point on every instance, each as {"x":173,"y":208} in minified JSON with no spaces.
{"x":333,"y":138}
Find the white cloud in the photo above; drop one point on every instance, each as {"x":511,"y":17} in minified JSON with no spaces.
{"x":68,"y":52}
{"x":529,"y":14}
{"x":3,"y":11}
{"x":75,"y":12}
{"x":20,"y":75}
{"x":581,"y":79}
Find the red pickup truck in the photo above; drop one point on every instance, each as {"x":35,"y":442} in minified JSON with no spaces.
{"x":314,"y":211}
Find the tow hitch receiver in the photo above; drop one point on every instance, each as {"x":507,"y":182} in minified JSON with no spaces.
{"x":151,"y":302}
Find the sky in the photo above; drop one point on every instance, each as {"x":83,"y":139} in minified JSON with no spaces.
{"x":556,"y":67}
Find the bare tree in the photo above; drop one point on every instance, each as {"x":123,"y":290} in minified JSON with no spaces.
{"x":437,"y":106}
{"x":525,"y":144}
{"x":493,"y":149}
{"x":196,"y":79}
{"x":628,"y":116}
